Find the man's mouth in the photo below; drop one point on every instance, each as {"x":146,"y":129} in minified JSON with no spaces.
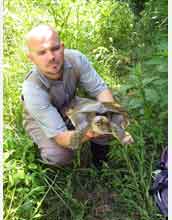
{"x":54,"y":65}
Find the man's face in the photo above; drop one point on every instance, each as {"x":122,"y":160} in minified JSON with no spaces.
{"x":47,"y":53}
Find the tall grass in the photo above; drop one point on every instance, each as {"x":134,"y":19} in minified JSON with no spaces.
{"x":134,"y":65}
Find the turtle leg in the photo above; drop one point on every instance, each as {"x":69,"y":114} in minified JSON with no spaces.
{"x":99,"y":154}
{"x":123,"y":136}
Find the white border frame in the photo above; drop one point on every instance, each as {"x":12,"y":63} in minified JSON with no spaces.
{"x":169,"y":110}
{"x":1,"y":108}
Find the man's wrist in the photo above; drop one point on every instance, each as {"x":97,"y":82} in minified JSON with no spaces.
{"x":76,"y":139}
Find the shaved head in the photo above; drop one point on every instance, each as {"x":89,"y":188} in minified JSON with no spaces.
{"x":45,"y":50}
{"x":38,"y":33}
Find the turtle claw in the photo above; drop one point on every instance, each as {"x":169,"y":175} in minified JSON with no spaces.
{"x":128,"y":139}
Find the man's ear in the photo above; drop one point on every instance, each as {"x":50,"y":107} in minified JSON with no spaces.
{"x":62,"y":44}
{"x":30,"y":56}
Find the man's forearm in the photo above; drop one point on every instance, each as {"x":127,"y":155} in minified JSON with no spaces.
{"x":105,"y":96}
{"x":64,"y":138}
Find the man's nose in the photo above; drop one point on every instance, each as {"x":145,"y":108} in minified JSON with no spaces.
{"x":50,"y":55}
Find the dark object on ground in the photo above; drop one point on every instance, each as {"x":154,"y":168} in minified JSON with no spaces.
{"x":99,"y":154}
{"x":159,"y":189}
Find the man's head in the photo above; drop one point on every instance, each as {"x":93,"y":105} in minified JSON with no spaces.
{"x":46,"y":51}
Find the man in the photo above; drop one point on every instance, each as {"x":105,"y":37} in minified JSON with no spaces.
{"x":49,"y":88}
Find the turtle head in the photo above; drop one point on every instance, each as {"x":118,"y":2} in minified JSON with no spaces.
{"x":100,"y":125}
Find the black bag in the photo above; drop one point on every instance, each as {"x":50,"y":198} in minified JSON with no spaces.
{"x":159,"y":188}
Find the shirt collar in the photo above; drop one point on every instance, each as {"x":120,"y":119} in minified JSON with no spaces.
{"x":45,"y":80}
{"x":67,"y":64}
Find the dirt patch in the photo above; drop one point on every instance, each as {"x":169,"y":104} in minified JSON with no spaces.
{"x":103,"y":205}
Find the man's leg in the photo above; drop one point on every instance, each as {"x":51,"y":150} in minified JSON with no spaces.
{"x":50,"y":152}
{"x":99,"y":154}
{"x":99,"y":149}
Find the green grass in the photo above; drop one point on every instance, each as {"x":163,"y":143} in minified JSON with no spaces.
{"x":119,"y":191}
{"x":133,"y":61}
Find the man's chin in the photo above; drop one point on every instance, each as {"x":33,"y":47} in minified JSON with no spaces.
{"x":54,"y":74}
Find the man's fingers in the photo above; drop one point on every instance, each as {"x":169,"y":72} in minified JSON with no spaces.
{"x":91,"y":134}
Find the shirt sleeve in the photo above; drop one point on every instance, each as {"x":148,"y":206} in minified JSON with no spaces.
{"x":37,"y":103}
{"x":89,"y":79}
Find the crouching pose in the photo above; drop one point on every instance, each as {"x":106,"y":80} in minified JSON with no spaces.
{"x":48,"y":90}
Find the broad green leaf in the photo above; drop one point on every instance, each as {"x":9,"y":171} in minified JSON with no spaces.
{"x":163,"y":68}
{"x":20,"y":174}
{"x":135,"y":103}
{"x":147,"y":81}
{"x":155,"y":61}
{"x":151,"y":95}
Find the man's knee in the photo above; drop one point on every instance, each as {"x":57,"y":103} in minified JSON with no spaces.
{"x":57,"y":156}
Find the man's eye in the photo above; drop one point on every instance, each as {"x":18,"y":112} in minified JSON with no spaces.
{"x":56,"y":48}
{"x":41,"y":52}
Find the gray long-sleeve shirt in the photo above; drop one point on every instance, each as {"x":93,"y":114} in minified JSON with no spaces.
{"x":36,"y":99}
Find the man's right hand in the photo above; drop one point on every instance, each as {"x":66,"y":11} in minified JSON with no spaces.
{"x":64,"y":138}
{"x":91,"y":134}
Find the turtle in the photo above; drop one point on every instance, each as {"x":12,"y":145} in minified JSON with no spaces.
{"x":103,"y":118}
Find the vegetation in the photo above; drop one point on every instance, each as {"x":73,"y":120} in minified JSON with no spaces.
{"x":127,"y":43}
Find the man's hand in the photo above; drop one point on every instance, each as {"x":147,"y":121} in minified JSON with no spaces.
{"x":105,"y":96}
{"x":91,"y":134}
{"x":71,"y":139}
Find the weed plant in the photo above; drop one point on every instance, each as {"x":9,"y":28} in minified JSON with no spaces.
{"x":127,"y":44}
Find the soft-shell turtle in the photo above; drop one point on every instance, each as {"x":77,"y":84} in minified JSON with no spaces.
{"x":106,"y":118}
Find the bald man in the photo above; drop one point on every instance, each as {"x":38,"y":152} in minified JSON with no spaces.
{"x":49,"y":88}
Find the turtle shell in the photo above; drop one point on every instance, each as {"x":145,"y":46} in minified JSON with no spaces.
{"x":102,"y":118}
